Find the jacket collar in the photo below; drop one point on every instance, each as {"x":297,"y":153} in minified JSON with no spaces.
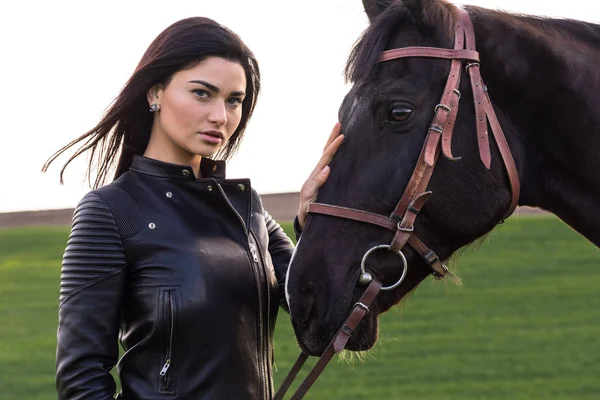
{"x":208,"y":168}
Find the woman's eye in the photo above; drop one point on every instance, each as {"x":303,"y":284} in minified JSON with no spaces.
{"x":234,"y":101}
{"x":201,"y":93}
{"x":399,"y":114}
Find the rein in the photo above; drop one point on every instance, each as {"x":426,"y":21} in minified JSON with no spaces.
{"x":401,"y":221}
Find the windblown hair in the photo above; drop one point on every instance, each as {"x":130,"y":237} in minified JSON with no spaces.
{"x":125,"y":128}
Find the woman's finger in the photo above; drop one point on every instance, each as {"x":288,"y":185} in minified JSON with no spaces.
{"x":335,"y":132}
{"x":328,"y":153}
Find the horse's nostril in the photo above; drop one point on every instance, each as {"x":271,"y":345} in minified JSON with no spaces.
{"x":307,"y":306}
{"x":307,"y":303}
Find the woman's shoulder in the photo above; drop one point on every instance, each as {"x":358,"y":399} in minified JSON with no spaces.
{"x":112,"y":194}
{"x":256,"y":201}
{"x":112,"y":203}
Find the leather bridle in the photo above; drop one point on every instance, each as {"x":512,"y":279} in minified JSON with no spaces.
{"x":401,"y":221}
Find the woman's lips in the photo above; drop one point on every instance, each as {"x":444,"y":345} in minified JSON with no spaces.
{"x":213,"y":137}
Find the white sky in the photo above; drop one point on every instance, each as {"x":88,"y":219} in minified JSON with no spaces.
{"x":63,"y":62}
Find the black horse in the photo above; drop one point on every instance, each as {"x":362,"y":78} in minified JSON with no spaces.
{"x":543,"y":81}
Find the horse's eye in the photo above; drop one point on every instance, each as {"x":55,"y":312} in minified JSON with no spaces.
{"x":399,"y":114}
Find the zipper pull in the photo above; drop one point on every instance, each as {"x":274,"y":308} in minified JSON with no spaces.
{"x":253,"y":251}
{"x":165,"y":368}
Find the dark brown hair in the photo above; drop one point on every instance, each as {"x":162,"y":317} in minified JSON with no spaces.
{"x":125,"y":128}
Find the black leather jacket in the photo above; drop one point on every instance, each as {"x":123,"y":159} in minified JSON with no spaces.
{"x":187,"y":273}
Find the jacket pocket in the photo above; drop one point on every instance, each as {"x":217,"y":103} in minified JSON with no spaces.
{"x":168,"y":308}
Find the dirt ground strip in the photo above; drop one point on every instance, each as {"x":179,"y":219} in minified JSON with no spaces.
{"x":281,"y":206}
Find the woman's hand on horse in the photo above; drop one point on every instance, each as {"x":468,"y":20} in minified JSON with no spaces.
{"x":319,"y":175}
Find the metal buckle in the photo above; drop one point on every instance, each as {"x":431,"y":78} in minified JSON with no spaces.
{"x":439,"y":276}
{"x":362,"y":305}
{"x":443,"y":106}
{"x":457,"y":93}
{"x":403,"y":229}
{"x":475,"y":64}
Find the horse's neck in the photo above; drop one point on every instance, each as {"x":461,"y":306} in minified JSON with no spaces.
{"x":542,"y":76}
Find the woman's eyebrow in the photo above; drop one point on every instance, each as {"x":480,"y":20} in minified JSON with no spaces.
{"x":216,"y":89}
{"x":208,"y":85}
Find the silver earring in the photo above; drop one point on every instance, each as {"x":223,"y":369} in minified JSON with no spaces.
{"x":154,"y":107}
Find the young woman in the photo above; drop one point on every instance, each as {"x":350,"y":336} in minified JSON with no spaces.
{"x":178,"y":263}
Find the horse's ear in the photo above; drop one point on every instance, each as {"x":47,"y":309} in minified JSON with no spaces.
{"x":375,"y":7}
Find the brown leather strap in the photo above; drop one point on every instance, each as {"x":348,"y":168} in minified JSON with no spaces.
{"x":451,"y":92}
{"x":403,"y":229}
{"x":509,"y":161}
{"x":314,"y":374}
{"x":478,"y":96}
{"x":441,"y":127}
{"x":430,"y":52}
{"x":337,"y":344}
{"x":428,"y":150}
{"x":406,"y":226}
{"x":429,"y":256}
{"x":360,"y":309}
{"x":291,"y":376}
{"x":481,"y":120}
{"x":483,"y":106}
{"x":353,"y":214}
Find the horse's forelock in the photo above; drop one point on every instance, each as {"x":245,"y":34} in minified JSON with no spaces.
{"x":363,"y":60}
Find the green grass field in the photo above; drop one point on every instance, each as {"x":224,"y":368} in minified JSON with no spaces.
{"x":525,"y":324}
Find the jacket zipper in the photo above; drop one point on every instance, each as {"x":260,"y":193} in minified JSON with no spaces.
{"x":256,"y":273}
{"x":171,"y":326}
{"x":267,"y":347}
{"x":263,"y":328}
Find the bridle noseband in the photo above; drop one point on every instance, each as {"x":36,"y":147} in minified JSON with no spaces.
{"x":401,"y":221}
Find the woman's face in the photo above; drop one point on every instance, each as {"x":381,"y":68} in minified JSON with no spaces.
{"x":200,"y":108}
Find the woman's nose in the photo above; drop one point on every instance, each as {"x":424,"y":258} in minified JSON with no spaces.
{"x":218,"y":113}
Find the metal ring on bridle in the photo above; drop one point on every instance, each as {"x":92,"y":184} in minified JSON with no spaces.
{"x":365,"y":275}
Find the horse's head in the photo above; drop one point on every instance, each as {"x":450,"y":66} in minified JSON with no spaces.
{"x":386,"y":118}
